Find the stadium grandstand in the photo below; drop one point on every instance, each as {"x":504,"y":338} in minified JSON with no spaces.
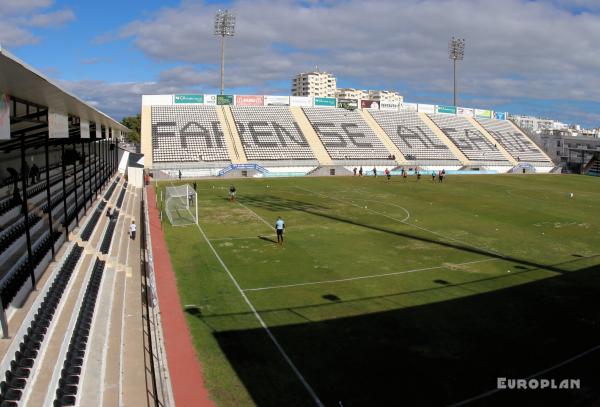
{"x":71,"y":282}
{"x":247,"y":135}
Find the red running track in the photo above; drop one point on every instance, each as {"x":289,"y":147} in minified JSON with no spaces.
{"x":184,"y":367}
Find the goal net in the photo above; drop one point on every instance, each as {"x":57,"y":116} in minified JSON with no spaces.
{"x":181,"y":205}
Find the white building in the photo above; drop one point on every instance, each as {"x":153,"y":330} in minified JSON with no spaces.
{"x":318,"y":84}
{"x":351,"y":93}
{"x":537,"y":124}
{"x":388,"y":96}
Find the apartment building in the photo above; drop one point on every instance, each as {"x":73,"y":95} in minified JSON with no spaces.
{"x":318,"y":84}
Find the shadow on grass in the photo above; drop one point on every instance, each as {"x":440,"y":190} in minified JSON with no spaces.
{"x":434,"y":354}
{"x":275,"y":203}
{"x":267,"y":239}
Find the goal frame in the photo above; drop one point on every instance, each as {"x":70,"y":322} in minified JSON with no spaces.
{"x":177,"y":192}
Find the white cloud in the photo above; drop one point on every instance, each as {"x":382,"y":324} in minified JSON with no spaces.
{"x":51,"y":19}
{"x":514,"y":48}
{"x":17,"y":16}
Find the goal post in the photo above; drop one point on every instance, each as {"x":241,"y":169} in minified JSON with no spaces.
{"x":181,"y":205}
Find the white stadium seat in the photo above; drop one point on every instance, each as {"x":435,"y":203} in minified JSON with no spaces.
{"x":474,"y":145}
{"x":187,"y":133}
{"x":270,"y":133}
{"x":413,"y":137}
{"x":345,"y":135}
{"x":514,"y":142}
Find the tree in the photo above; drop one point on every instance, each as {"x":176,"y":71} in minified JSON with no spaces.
{"x":133,"y":123}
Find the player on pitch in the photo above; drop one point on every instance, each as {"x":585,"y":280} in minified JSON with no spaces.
{"x":279,"y":227}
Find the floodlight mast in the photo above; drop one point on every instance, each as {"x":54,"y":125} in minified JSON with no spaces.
{"x":456,"y":50}
{"x":224,"y":27}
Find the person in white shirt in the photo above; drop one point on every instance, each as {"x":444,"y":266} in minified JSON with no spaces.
{"x":279,"y":227}
{"x":132,"y":229}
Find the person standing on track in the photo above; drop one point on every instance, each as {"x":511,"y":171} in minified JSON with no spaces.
{"x":279,"y":228}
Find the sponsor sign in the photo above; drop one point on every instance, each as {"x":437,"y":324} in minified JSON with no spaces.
{"x":84,"y":128}
{"x":389,"y":106}
{"x":329,"y":102}
{"x":196,"y":99}
{"x":411,"y":107}
{"x":500,"y":115}
{"x":303,"y":101}
{"x":465,"y":111}
{"x":426,"y":108}
{"x":58,"y":125}
{"x":369,"y":104}
{"x":4,"y":117}
{"x":277,"y":100}
{"x":224,"y":100}
{"x":210,"y":100}
{"x":249,"y":100}
{"x":347,"y":103}
{"x":446,"y":109}
{"x":483,"y":113}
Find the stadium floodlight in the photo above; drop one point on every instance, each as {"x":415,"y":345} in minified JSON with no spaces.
{"x":224,"y":27}
{"x":456,"y":50}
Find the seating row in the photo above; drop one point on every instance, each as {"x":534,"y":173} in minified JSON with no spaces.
{"x":66,"y":393}
{"x":24,"y":360}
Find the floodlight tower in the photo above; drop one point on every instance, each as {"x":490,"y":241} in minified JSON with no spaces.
{"x":224,"y":26}
{"x":456,"y":50}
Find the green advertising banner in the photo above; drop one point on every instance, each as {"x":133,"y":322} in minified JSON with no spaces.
{"x":189,"y":99}
{"x":224,"y":100}
{"x":446,"y":109}
{"x":325,"y":102}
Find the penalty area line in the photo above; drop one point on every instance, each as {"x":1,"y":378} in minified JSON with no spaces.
{"x":255,"y":214}
{"x":342,"y":280}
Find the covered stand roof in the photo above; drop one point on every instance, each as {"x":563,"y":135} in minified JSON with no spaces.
{"x":20,"y":80}
{"x":37,"y":95}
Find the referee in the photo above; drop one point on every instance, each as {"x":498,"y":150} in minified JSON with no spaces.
{"x":279,"y":227}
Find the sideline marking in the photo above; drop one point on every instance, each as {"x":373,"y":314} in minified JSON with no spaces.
{"x":263,"y":324}
{"x":299,"y":375}
{"x":365,"y":277}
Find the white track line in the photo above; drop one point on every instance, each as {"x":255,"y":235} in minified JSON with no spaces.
{"x":283,"y":353}
{"x":365,"y":277}
{"x":541,"y":372}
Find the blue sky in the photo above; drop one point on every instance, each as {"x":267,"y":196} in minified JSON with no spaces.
{"x":522,"y":56}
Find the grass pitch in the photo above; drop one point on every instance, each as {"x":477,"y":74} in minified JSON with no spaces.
{"x":393,"y":293}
